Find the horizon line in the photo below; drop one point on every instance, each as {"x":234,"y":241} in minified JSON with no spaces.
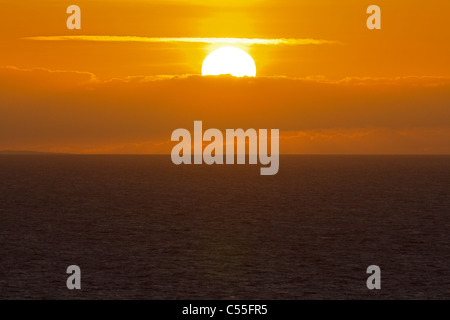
{"x":29,"y":152}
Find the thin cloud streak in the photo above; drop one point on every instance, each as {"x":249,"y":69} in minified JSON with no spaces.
{"x":244,"y":41}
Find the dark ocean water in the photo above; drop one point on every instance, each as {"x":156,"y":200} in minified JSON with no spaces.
{"x":140,"y":227}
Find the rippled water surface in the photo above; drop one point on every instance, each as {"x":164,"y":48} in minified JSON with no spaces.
{"x":140,"y":227}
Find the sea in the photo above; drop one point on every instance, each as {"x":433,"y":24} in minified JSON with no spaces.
{"x":140,"y":227}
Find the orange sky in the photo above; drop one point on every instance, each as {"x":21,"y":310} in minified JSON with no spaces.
{"x":338,"y":88}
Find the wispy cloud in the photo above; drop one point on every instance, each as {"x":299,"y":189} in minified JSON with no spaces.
{"x":72,"y":112}
{"x":244,"y":41}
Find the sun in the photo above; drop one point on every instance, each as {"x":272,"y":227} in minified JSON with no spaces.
{"x":229,"y":60}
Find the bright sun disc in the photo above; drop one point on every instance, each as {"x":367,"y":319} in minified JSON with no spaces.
{"x":229,"y":60}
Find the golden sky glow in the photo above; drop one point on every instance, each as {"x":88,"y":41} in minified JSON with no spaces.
{"x":131,"y":75}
